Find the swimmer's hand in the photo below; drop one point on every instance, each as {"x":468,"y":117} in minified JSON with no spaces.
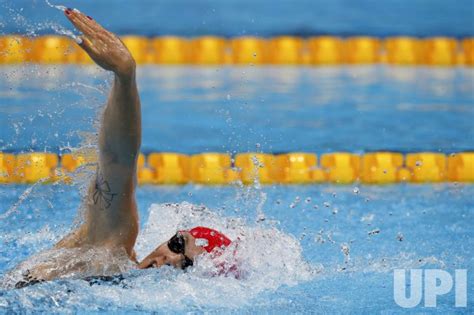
{"x":104,"y":47}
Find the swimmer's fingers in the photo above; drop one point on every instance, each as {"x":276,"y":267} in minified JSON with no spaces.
{"x":88,"y":26}
{"x":106,"y":49}
{"x":79,"y":21}
{"x":88,"y":47}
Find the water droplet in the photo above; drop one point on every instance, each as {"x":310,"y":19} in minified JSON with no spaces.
{"x":356,"y":190}
{"x":400,"y":237}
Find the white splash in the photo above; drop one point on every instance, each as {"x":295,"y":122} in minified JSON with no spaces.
{"x":55,"y":6}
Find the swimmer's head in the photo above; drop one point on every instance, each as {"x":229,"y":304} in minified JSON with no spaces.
{"x":179,"y":251}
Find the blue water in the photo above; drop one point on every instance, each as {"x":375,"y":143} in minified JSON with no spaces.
{"x":252,"y":17}
{"x":435,"y":222}
{"x":225,"y":109}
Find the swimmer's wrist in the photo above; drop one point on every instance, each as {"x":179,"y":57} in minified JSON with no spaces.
{"x":126,"y":72}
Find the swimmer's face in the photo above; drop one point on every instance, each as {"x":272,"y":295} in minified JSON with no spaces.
{"x":178,"y":252}
{"x":161,"y":256}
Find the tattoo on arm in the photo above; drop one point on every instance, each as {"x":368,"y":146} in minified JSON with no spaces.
{"x":103,"y":195}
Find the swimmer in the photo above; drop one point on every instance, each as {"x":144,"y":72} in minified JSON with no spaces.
{"x":104,"y":244}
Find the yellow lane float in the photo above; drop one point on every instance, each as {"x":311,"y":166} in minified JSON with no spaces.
{"x":253,"y":166}
{"x":404,"y":174}
{"x":138,"y":47}
{"x":381,"y":167}
{"x":468,"y":51}
{"x":285,"y":50}
{"x":426,"y":166}
{"x":170,"y":168}
{"x":362,"y":50}
{"x":440,"y":51}
{"x":145,"y":175}
{"x":282,"y":50}
{"x":211,"y":168}
{"x":170,"y":50}
{"x":217,"y":168}
{"x":248,"y":50}
{"x":35,"y":167}
{"x":208,"y":50}
{"x":295,"y":168}
{"x":7,"y":168}
{"x":403,"y":50}
{"x":53,"y":50}
{"x":325,"y":50}
{"x":14,"y":49}
{"x":461,"y":167}
{"x":341,"y":167}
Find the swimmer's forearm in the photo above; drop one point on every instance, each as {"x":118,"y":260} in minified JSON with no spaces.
{"x":120,"y":134}
{"x":119,"y":137}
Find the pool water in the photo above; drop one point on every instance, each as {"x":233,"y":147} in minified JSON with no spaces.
{"x":420,"y":226}
{"x":240,"y":109}
{"x":320,"y":248}
{"x":251,"y":17}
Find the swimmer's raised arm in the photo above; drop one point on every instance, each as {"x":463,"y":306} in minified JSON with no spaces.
{"x":111,"y":217}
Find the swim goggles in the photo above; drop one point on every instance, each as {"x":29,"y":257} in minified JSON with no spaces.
{"x":176,"y":244}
